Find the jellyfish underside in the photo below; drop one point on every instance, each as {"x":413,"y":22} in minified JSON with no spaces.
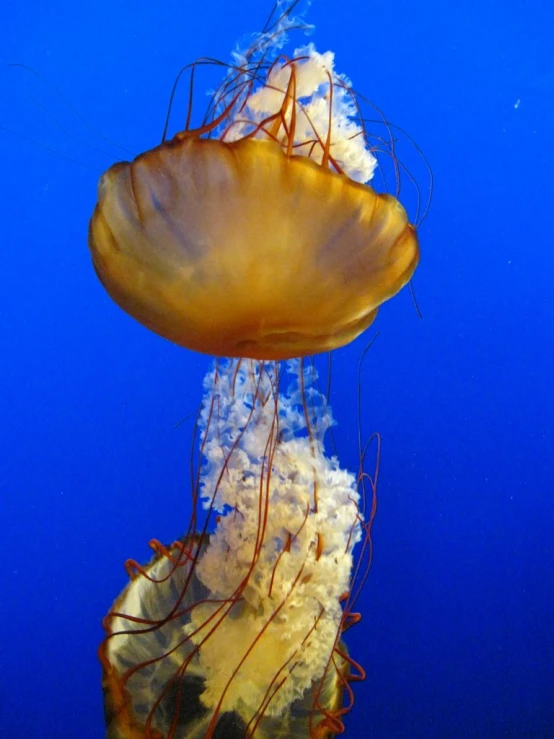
{"x":181,"y":709}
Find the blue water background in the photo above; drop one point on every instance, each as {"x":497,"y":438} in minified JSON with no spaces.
{"x":457,"y":635}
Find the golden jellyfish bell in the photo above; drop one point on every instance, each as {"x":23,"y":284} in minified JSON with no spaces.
{"x":257,"y":243}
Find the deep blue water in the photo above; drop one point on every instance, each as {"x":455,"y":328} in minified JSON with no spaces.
{"x":457,"y":635}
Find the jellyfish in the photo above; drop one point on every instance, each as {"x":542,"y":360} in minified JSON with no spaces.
{"x":236,"y":632}
{"x":254,"y":236}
